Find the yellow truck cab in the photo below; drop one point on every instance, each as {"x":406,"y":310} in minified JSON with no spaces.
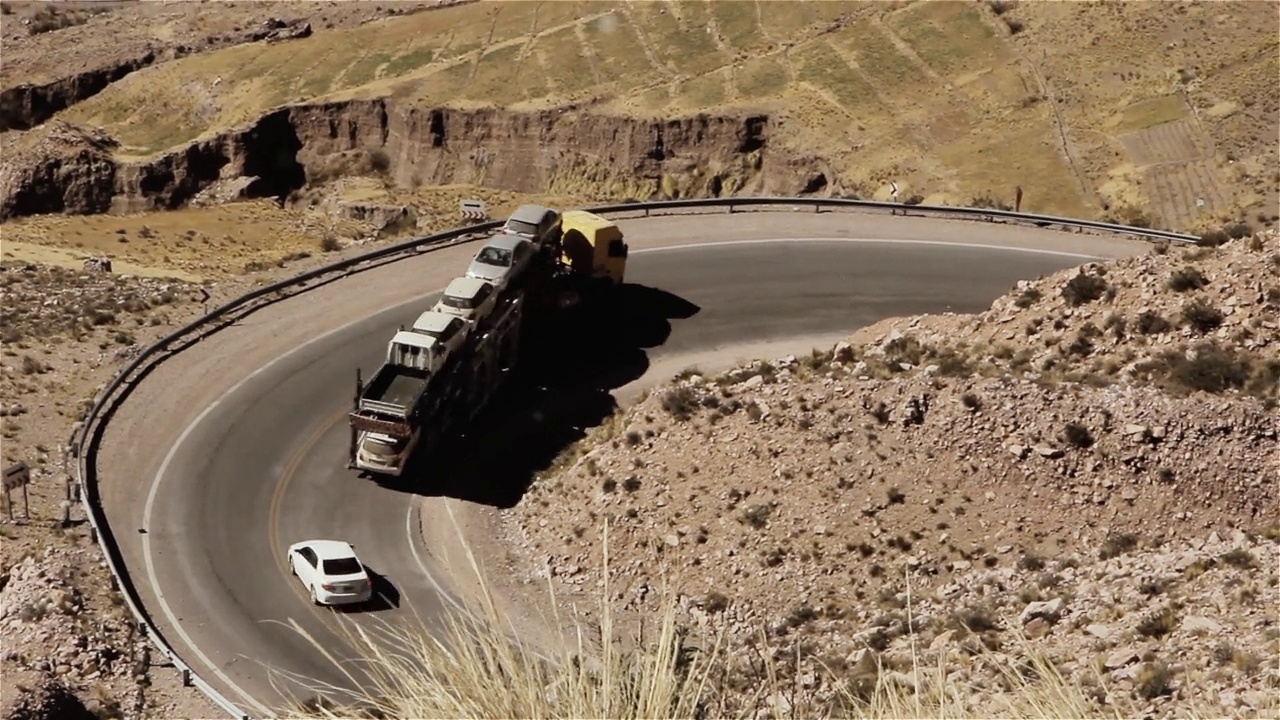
{"x":593,"y":246}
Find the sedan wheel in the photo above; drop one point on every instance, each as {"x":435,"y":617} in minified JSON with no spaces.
{"x":314,"y":600}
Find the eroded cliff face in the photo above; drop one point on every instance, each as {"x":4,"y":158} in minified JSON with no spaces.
{"x":569,"y":151}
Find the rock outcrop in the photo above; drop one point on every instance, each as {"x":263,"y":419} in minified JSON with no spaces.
{"x":70,"y":169}
{"x":58,"y":168}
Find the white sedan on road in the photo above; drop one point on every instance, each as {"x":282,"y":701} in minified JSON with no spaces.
{"x":330,"y":571}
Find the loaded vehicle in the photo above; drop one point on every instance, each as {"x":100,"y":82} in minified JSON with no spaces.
{"x":539,"y":224}
{"x":471,"y":299}
{"x":450,"y":331}
{"x":393,"y":393}
{"x":433,"y":383}
{"x":503,"y":258}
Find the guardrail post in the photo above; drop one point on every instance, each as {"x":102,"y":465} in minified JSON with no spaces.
{"x":93,"y":533}
{"x":186,"y":677}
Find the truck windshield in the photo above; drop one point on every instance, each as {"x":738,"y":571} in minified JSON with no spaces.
{"x":342,"y":566}
{"x":521,"y":227}
{"x":454,"y":301}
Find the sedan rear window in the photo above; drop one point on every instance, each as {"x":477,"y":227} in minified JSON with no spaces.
{"x":495,"y":256}
{"x":342,"y":566}
{"x":458,"y":302}
{"x":522,"y":228}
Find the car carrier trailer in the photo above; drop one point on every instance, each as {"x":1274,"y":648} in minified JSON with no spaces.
{"x":403,"y":410}
{"x":417,"y":409}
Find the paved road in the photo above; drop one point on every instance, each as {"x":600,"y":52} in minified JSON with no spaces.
{"x":254,"y":459}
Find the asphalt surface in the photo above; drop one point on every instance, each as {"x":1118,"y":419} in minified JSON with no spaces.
{"x":265,"y":464}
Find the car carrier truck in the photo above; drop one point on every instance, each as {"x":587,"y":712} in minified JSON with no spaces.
{"x":431,"y":386}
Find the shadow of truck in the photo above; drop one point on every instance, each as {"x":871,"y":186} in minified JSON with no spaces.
{"x":559,"y":391}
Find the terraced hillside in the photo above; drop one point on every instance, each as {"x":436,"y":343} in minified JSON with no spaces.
{"x":1142,"y":112}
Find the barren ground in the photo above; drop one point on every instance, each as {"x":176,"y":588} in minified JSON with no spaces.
{"x":1094,"y":471}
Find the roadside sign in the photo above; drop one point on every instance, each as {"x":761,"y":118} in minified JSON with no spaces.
{"x":17,"y":476}
{"x":473,"y":210}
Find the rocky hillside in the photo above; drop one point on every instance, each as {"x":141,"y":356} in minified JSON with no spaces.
{"x":946,"y":487}
{"x":61,"y":167}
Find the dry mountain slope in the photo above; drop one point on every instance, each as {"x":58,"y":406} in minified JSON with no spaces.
{"x":957,"y":102}
{"x":946,"y":483}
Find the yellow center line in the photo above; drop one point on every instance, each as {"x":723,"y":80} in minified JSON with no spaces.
{"x":273,"y":513}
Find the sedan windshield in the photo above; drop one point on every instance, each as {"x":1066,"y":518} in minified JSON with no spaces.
{"x":494,"y":256}
{"x":342,"y":566}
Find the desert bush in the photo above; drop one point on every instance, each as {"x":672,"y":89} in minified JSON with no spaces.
{"x":1016,"y":26}
{"x":680,"y":402}
{"x":1211,"y":369}
{"x":1027,"y":298}
{"x":1116,"y":545}
{"x":904,"y":349}
{"x":1212,"y":238}
{"x":1151,"y":323}
{"x":1187,"y":278}
{"x":974,"y":618}
{"x":50,"y":18}
{"x":1078,"y":435}
{"x":1154,"y":680}
{"x":1159,"y":623}
{"x":1240,"y":558}
{"x":971,"y":401}
{"x":32,"y":366}
{"x":1083,"y":289}
{"x":986,"y":201}
{"x":1201,"y":315}
{"x":379,"y":161}
{"x":1239,"y":230}
{"x":757,"y":516}
{"x":330,"y":242}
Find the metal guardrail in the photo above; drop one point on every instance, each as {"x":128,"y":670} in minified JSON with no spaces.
{"x":87,"y":434}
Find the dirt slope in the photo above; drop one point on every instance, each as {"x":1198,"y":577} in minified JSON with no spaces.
{"x":976,"y":472}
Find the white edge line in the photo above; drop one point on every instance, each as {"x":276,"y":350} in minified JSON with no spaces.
{"x":871,"y":241}
{"x":186,"y":433}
